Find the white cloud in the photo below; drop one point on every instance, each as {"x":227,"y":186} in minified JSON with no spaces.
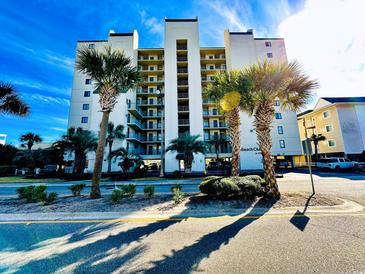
{"x":152,"y":24}
{"x":61,"y":120}
{"x":58,"y":129}
{"x":49,"y":99}
{"x":327,"y":37}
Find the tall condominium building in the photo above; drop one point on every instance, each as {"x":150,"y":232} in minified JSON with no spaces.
{"x":169,"y":100}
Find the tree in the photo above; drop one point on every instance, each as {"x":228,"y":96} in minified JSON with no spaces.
{"x":187,"y":145}
{"x":80,"y":142}
{"x":10,"y":102}
{"x":113,"y":134}
{"x":316,"y":139}
{"x":228,"y":90}
{"x":7,"y":154}
{"x":112,"y":73}
{"x":60,"y":147}
{"x":29,"y":139}
{"x":270,"y":82}
{"x":218,"y":142}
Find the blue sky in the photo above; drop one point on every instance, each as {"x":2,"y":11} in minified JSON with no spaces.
{"x":38,"y":39}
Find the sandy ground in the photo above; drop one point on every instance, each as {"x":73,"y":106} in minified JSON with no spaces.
{"x":162,"y":203}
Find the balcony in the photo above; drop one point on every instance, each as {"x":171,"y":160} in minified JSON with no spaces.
{"x":215,"y":68}
{"x":213,"y":57}
{"x":207,"y":79}
{"x":150,"y":58}
{"x":212,"y":113}
{"x":183,"y":122}
{"x":209,"y":102}
{"x":182,"y":58}
{"x":146,"y":152}
{"x":147,"y":91}
{"x":181,"y":47}
{"x":136,"y":124}
{"x":150,"y":69}
{"x":182,"y":82}
{"x":153,"y":103}
{"x":215,"y":125}
{"x":135,"y":110}
{"x":156,"y":81}
{"x":183,"y":108}
{"x":182,"y":70}
{"x":183,"y":95}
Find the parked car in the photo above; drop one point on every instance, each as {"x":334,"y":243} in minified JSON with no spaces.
{"x":337,"y":163}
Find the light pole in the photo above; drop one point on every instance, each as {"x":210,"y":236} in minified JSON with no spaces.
{"x":307,"y":152}
{"x":158,"y":91}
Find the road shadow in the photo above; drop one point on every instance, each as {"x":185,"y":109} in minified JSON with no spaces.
{"x":299,"y":219}
{"x":101,"y":248}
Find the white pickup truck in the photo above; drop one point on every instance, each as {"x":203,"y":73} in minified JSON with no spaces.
{"x":337,"y":163}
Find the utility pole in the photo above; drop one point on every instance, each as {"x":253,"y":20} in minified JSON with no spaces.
{"x":308,"y":156}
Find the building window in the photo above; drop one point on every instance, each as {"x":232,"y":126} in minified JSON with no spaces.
{"x":85,"y":107}
{"x":151,"y":90}
{"x":211,"y":67}
{"x":331,"y":143}
{"x":211,"y":56}
{"x":282,"y":143}
{"x":280,"y":130}
{"x":269,"y":55}
{"x":88,"y":82}
{"x":278,"y":116}
{"x":277,"y":103}
{"x":326,"y":114}
{"x":87,"y":93}
{"x":84,"y":120}
{"x":152,"y":79}
{"x":91,"y":46}
{"x":329,"y":128}
{"x":268,"y":44}
{"x":150,"y":101}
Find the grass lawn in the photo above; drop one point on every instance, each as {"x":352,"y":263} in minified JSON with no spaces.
{"x":21,"y":179}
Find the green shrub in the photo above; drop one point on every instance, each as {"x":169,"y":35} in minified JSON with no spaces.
{"x":219,"y":187}
{"x":176,"y":186}
{"x":177,"y":195}
{"x":249,"y":187}
{"x":149,"y":191}
{"x":32,"y":194}
{"x":117,"y":196}
{"x":209,"y":185}
{"x":255,"y":178}
{"x":77,"y":189}
{"x":50,"y":198}
{"x":128,"y":190}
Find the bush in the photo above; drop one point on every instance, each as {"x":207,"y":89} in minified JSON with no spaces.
{"x":177,"y":195}
{"x":250,"y":187}
{"x":149,"y":191}
{"x":77,"y":189}
{"x":128,"y":190}
{"x":32,"y":194}
{"x":176,"y":187}
{"x":117,"y":196}
{"x":50,"y":198}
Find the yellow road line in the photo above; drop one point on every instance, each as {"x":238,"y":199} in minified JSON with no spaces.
{"x":147,"y":220}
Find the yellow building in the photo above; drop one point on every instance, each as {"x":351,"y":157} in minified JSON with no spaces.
{"x":341,"y":121}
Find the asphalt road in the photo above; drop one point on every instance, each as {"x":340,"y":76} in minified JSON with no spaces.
{"x":264,"y":244}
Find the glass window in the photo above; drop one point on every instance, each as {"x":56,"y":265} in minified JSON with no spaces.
{"x":88,"y":81}
{"x":326,"y":114}
{"x":85,"y":106}
{"x":152,"y":79}
{"x":211,"y":67}
{"x":91,"y":46}
{"x":268,"y":44}
{"x":278,"y":116}
{"x":151,"y":90}
{"x":84,"y":120}
{"x":282,"y":144}
{"x":280,"y":130}
{"x":277,"y":103}
{"x":329,"y":128}
{"x":331,"y":143}
{"x":150,"y":101}
{"x":269,"y":55}
{"x":87,"y":93}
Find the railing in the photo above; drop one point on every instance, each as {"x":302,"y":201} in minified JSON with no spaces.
{"x":183,"y":95}
{"x":181,"y":47}
{"x":204,"y":68}
{"x":205,"y":79}
{"x":215,"y":57}
{"x":183,"y":121}
{"x":149,"y":58}
{"x":154,"y":114}
{"x":182,"y":82}
{"x":208,"y":101}
{"x":183,"y":108}
{"x":215,"y":125}
{"x":146,"y":68}
{"x":182,"y":70}
{"x":147,"y":102}
{"x":148,"y":91}
{"x":212,"y":113}
{"x":138,"y":123}
{"x":182,"y":58}
{"x":147,"y":80}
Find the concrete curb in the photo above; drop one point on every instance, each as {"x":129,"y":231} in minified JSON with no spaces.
{"x":347,"y":207}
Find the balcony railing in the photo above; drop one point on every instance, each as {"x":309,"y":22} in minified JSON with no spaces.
{"x":149,"y":91}
{"x":205,"y":68}
{"x":183,"y":108}
{"x":149,"y":58}
{"x":215,"y":125}
{"x":183,"y":122}
{"x":181,"y":47}
{"x":154,"y":80}
{"x":182,"y":70}
{"x":208,"y":101}
{"x":145,"y":151}
{"x":149,"y":103}
{"x":146,"y":68}
{"x":182,"y":82}
{"x":183,"y":95}
{"x":215,"y":57}
{"x":212,"y":113}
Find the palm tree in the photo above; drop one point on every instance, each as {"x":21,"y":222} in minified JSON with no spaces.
{"x":228,"y":90}
{"x":80,"y":142}
{"x":10,"y":102}
{"x":60,"y":147}
{"x":113,"y":134}
{"x":186,"y":145}
{"x":271,"y":82}
{"x":316,"y":138}
{"x":218,"y":142}
{"x":30,"y":139}
{"x":112,"y":73}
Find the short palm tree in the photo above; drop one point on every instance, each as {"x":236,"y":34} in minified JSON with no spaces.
{"x":10,"y":102}
{"x":112,"y":73}
{"x":227,"y":90}
{"x":60,"y":147}
{"x":29,"y":139}
{"x":217,"y":142}
{"x":271,"y":82}
{"x":80,"y":142}
{"x":316,"y":138}
{"x":186,"y":145}
{"x":113,"y":134}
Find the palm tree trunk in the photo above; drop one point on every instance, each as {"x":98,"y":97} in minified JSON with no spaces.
{"x":188,"y":162}
{"x":234,"y":133}
{"x":99,"y":157}
{"x":79,"y":163}
{"x":263,"y":120}
{"x":110,"y":159}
